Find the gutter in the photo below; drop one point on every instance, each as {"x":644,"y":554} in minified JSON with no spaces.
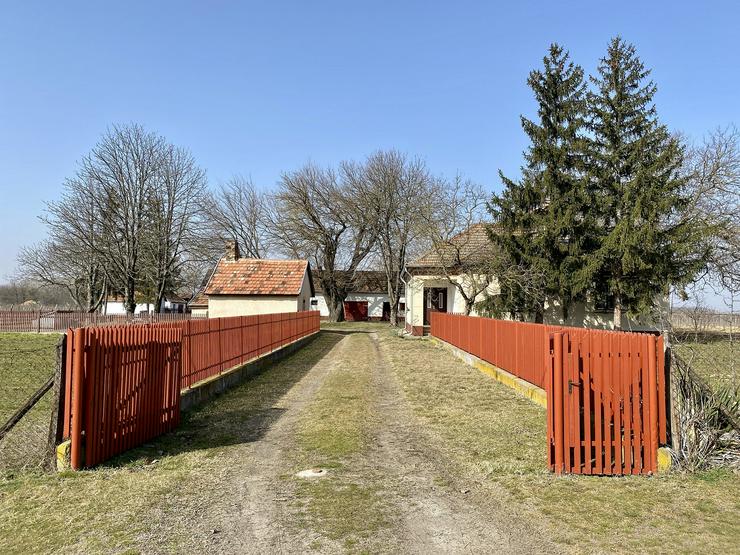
{"x":409,"y":306}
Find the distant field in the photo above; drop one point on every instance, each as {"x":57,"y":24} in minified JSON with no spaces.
{"x":26,"y":362}
{"x":716,"y":359}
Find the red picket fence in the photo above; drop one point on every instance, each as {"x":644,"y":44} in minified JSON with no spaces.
{"x":606,"y":400}
{"x":123,"y":383}
{"x":606,"y":405}
{"x":518,"y":347}
{"x":213,"y":345}
{"x":123,"y":388}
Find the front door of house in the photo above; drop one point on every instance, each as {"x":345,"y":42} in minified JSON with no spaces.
{"x":435,"y":300}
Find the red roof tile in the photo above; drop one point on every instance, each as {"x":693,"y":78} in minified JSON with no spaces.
{"x":471,"y":244}
{"x":257,"y":276}
{"x":199,"y":301}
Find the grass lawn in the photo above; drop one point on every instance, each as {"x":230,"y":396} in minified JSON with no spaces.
{"x":491,"y":430}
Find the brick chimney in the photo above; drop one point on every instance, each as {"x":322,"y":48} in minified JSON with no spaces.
{"x":232,"y":250}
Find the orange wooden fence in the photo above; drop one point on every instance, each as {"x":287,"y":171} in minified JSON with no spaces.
{"x":124,"y":388}
{"x":606,"y":399}
{"x":38,"y":321}
{"x":518,"y":347}
{"x":123,"y":383}
{"x":213,"y":345}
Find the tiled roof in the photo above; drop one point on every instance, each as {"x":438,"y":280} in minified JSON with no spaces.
{"x":257,"y":276}
{"x":199,"y":301}
{"x":467,"y":245}
{"x":365,"y":281}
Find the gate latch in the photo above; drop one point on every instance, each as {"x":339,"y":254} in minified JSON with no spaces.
{"x":571,"y":385}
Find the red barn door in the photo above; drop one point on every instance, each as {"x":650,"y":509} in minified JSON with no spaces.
{"x":355,"y":311}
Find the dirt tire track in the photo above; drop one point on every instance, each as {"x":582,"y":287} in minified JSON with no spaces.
{"x":459,"y":517}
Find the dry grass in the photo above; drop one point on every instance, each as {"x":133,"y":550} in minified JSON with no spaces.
{"x":27,"y":360}
{"x":148,"y":498}
{"x":490,"y":429}
{"x":346,"y":508}
{"x":713,"y":356}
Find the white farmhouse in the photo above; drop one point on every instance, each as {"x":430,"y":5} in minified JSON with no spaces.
{"x":114,"y":304}
{"x":433,"y":285}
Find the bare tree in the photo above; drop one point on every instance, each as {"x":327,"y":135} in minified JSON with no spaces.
{"x":122,"y":222}
{"x":173,"y":206}
{"x":59,"y":265}
{"x":236,"y":212}
{"x":460,"y":250}
{"x":315,"y":215}
{"x":396,"y":191}
{"x":712,"y":170}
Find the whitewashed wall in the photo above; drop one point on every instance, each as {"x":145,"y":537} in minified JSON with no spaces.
{"x":580,"y":315}
{"x":374,"y":303}
{"x":116,"y":307}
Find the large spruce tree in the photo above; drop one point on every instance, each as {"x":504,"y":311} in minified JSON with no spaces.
{"x":635,"y":191}
{"x":539,"y":219}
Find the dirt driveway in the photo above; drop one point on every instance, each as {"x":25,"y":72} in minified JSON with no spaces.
{"x":420,"y":454}
{"x":387,"y":486}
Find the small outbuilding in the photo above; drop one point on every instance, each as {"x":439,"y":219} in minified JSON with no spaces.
{"x":248,"y":286}
{"x":199,"y":306}
{"x":367,"y":299}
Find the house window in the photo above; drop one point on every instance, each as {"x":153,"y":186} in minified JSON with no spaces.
{"x":441,"y":301}
{"x":314,"y":302}
{"x":603,"y":300}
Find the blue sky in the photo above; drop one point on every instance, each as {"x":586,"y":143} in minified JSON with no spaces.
{"x":259,"y":88}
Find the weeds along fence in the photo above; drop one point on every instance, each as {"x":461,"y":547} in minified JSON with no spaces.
{"x":705,"y":396}
{"x":123,"y":383}
{"x":606,"y":395}
{"x":40,"y":321}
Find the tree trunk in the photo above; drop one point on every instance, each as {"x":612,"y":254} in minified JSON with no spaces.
{"x":539,"y":317}
{"x":394,"y":314}
{"x":469,"y":306}
{"x":617,"y":312}
{"x":129,"y":302}
{"x":336,"y":308}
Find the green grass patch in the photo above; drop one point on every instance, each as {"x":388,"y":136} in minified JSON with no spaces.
{"x":346,"y":507}
{"x":27,"y":360}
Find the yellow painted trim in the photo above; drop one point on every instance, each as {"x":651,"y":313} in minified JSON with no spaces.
{"x":63,"y":455}
{"x":664,"y":459}
{"x":531,"y":392}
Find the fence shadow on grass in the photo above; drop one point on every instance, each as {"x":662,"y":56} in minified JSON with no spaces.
{"x":242,"y":415}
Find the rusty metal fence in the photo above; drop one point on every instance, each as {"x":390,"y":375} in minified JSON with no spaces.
{"x":123,"y":384}
{"x":606,"y":394}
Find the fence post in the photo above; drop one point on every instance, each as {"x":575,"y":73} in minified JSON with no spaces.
{"x":56,"y":423}
{"x":653,"y":400}
{"x":78,"y":366}
{"x":557,"y":397}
